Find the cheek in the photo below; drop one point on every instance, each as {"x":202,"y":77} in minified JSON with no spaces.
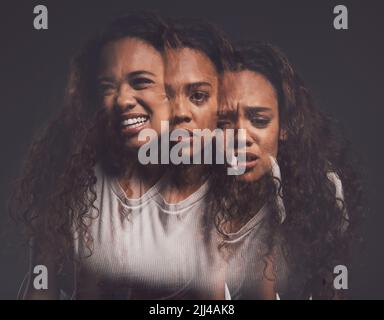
{"x":161,"y":113}
{"x":107,"y":102}
{"x":212,"y":120}
{"x":208,"y":115}
{"x":150,"y":98}
{"x":155,"y":102}
{"x":268,"y":141}
{"x":273,"y":144}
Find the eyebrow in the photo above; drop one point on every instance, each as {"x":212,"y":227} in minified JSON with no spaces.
{"x":106,"y":78}
{"x":136,"y":73}
{"x":129,"y":75}
{"x":194,"y":85}
{"x":256,"y":109}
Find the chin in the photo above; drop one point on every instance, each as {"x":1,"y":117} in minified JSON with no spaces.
{"x":251,"y":176}
{"x":133,"y":145}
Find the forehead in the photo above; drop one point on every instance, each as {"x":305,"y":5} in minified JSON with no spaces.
{"x":187,"y":66}
{"x":247,"y":88}
{"x":129,"y":54}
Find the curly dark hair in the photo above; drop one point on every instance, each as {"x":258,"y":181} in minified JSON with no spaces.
{"x":202,"y":36}
{"x":313,"y":238}
{"x":56,"y":189}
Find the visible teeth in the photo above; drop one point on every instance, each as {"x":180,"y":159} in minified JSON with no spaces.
{"x":134,"y":122}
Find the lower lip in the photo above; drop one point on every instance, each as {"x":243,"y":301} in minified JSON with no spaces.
{"x":128,"y":131}
{"x":248,"y":164}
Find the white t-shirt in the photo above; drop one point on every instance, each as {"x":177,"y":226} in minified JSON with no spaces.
{"x":146,"y":248}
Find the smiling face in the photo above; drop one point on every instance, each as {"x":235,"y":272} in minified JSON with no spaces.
{"x":131,"y":87}
{"x":248,"y":101}
{"x":191,"y":83}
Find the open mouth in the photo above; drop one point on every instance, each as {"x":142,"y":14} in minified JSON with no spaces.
{"x":249,"y":157}
{"x":133,"y":123}
{"x":247,"y":160}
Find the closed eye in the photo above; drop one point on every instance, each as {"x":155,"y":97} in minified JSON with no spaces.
{"x":260,"y":122}
{"x":140,"y":83}
{"x":106,"y":88}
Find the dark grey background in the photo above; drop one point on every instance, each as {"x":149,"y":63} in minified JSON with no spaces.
{"x":344,"y":69}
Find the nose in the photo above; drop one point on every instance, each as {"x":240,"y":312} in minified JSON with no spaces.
{"x":246,"y":136}
{"x":125,"y":99}
{"x":180,"y":112}
{"x":242,"y":139}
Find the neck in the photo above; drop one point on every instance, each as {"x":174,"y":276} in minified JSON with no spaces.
{"x":137,"y":178}
{"x":183,"y":181}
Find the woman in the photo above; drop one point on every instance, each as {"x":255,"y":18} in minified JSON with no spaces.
{"x":82,"y":179}
{"x":301,"y":222}
{"x":133,"y":236}
{"x":194,"y":57}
